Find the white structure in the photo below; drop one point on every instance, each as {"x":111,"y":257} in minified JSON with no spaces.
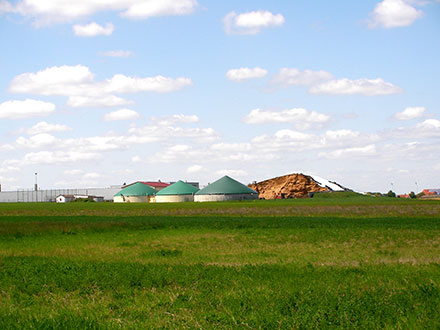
{"x":64,"y":198}
{"x":69,"y":198}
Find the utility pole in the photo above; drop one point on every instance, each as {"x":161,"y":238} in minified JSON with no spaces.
{"x":36,"y":187}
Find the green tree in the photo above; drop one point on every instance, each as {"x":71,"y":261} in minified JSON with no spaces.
{"x":412,"y":195}
{"x":391,"y":194}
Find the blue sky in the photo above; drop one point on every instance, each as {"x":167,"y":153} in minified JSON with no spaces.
{"x":96,"y":94}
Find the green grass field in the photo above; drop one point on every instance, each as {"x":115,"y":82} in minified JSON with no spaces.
{"x":324,"y":263}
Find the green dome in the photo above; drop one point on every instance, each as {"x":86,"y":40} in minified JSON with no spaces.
{"x":226,"y":186}
{"x":178,"y":188}
{"x":137,"y":189}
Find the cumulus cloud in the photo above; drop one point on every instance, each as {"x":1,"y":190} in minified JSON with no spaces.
{"x":117,"y":53}
{"x":77,"y":82}
{"x":245,"y":74}
{"x":25,"y":109}
{"x":410,"y":113}
{"x":122,"y":114}
{"x":429,"y":124}
{"x":93,"y":29}
{"x":151,"y":8}
{"x":233,"y":173}
{"x":301,"y":118}
{"x":44,"y":127}
{"x":361,"y":86}
{"x":194,"y":169}
{"x":54,"y":157}
{"x":251,"y":22}
{"x":162,"y":132}
{"x":45,"y":12}
{"x":73,"y":172}
{"x":36,"y":141}
{"x":101,"y":101}
{"x":175,"y":119}
{"x":295,"y":77}
{"x":393,"y":13}
{"x":136,"y":159}
{"x":368,"y":150}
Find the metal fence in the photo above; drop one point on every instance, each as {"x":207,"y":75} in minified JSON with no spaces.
{"x":50,"y":195}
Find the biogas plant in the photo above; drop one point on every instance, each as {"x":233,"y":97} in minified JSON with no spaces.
{"x":224,"y":189}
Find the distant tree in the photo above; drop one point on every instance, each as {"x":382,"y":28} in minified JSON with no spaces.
{"x":412,"y":195}
{"x":391,"y":194}
{"x":420,"y":194}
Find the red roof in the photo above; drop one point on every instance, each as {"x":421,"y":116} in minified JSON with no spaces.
{"x":156,"y":184}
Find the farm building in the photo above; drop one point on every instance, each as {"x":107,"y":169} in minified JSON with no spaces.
{"x":431,"y":192}
{"x":225,"y":189}
{"x":177,"y":192}
{"x":158,"y":185}
{"x":135,"y":193}
{"x":68,"y":198}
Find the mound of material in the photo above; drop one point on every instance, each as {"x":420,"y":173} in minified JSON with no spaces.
{"x":137,"y":189}
{"x":226,"y":186}
{"x":293,"y":186}
{"x":178,"y":188}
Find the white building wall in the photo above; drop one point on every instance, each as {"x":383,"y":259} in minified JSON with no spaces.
{"x":222,"y":198}
{"x":132,"y":199}
{"x":174,"y":198}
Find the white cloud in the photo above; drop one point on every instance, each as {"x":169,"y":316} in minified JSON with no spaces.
{"x":52,"y":157}
{"x":122,"y":114}
{"x":6,"y":147}
{"x":56,"y":80}
{"x":120,"y":83}
{"x":93,"y":29}
{"x":44,"y":127}
{"x":368,"y":150}
{"x":410,"y":113}
{"x":117,"y":53}
{"x":174,"y":119}
{"x":101,"y":101}
{"x":45,"y":12}
{"x":341,"y":134}
{"x":429,"y":128}
{"x":245,"y":73}
{"x":251,"y":22}
{"x":25,"y":109}
{"x":91,"y":175}
{"x":394,"y":13}
{"x":165,"y":133}
{"x":292,"y":76}
{"x":36,"y":141}
{"x":7,"y":169}
{"x":429,"y":124}
{"x":194,"y":169}
{"x":77,"y":82}
{"x":362,"y":86}
{"x":73,"y":172}
{"x":233,"y":173}
{"x":136,"y":159}
{"x":301,"y":118}
{"x":151,"y":8}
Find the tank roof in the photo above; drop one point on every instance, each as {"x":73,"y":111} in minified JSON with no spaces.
{"x":137,"y":189}
{"x":178,"y":188}
{"x":226,"y":186}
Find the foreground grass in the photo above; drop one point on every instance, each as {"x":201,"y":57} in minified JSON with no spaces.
{"x":221,"y":266}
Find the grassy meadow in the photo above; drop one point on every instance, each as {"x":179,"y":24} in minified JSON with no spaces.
{"x":321,"y":263}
